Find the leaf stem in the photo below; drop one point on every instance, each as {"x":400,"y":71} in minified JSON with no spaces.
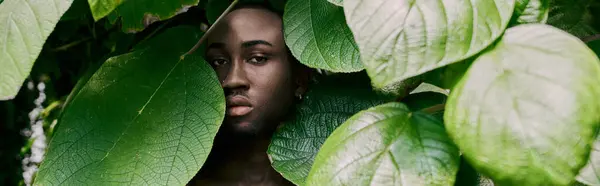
{"x":84,"y":40}
{"x":210,"y":29}
{"x":434,"y":109}
{"x":72,"y":44}
{"x":159,"y":28}
{"x":590,"y":38}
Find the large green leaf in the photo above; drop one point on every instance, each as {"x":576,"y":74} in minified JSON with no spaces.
{"x":138,"y":14}
{"x":337,"y":2}
{"x":145,"y":117}
{"x":427,"y":87}
{"x":317,"y":34}
{"x":402,"y":39}
{"x":572,"y":16}
{"x":101,"y":8}
{"x":387,"y":145}
{"x":326,"y":106}
{"x":24,"y":27}
{"x":531,"y":11}
{"x":590,"y":174}
{"x":534,"y":96}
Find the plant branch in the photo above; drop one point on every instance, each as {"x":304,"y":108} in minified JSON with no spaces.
{"x":434,"y":109}
{"x":210,"y":29}
{"x":590,"y":38}
{"x":84,"y":40}
{"x":156,"y":30}
{"x":72,"y":44}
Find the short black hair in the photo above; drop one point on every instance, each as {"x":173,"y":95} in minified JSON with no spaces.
{"x":266,"y":4}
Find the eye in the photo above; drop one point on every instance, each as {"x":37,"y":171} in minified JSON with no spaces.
{"x":218,"y":62}
{"x":258,"y":60}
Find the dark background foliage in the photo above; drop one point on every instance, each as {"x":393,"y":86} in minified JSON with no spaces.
{"x":75,"y":49}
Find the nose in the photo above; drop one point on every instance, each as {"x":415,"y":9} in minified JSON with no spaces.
{"x":236,"y":79}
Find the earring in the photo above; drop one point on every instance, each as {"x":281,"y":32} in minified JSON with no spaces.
{"x":299,"y":96}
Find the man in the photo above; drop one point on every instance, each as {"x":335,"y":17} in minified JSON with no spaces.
{"x":262,"y":81}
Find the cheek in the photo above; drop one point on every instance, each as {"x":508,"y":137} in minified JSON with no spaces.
{"x":221,"y":73}
{"x":274,"y":85}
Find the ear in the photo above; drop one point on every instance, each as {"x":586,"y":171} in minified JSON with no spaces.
{"x":303,"y":75}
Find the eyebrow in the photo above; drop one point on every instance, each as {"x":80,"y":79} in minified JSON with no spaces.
{"x":252,"y":43}
{"x":246,"y":44}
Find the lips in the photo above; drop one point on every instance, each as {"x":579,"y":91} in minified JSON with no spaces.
{"x":238,"y":106}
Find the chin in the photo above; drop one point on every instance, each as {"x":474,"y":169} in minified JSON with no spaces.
{"x":242,"y":127}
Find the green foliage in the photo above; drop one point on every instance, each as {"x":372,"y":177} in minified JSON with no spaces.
{"x":136,"y":15}
{"x":573,"y":16}
{"x":534,"y":96}
{"x":590,"y":174}
{"x":153,"y":120}
{"x":317,"y":34}
{"x":522,"y":108}
{"x":387,"y":145}
{"x":101,"y":8}
{"x":214,"y":8}
{"x":418,"y":40}
{"x":25,"y":25}
{"x":595,"y":46}
{"x":531,"y":11}
{"x":337,"y":2}
{"x":329,"y":103}
{"x":424,"y":100}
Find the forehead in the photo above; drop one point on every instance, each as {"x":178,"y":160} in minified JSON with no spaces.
{"x":248,"y":24}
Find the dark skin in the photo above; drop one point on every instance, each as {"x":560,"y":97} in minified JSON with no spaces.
{"x":261,"y":82}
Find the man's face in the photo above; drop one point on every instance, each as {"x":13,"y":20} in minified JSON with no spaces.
{"x":248,"y":53}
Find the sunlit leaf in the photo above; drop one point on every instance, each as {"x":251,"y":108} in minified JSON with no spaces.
{"x":337,"y":2}
{"x":426,"y":87}
{"x":528,"y":106}
{"x":24,"y":27}
{"x":317,"y":34}
{"x":101,"y":8}
{"x":328,"y":104}
{"x":590,"y":174}
{"x":387,"y":145}
{"x":402,"y":39}
{"x":145,"y":117}
{"x":531,"y":11}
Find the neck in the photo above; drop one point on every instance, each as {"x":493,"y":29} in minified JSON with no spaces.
{"x":240,"y":159}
